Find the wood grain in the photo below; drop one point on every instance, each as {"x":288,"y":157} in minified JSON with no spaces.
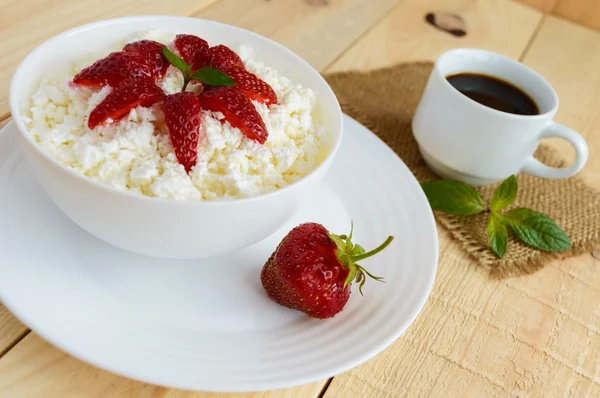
{"x":533,"y":336}
{"x":328,"y":28}
{"x":318,"y":31}
{"x":34,"y":368}
{"x":546,"y":6}
{"x":575,"y":74}
{"x":25,"y":24}
{"x":584,"y":12}
{"x":4,"y":122}
{"x":11,"y":330}
{"x":403,"y":35}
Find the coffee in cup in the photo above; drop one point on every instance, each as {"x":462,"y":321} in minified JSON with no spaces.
{"x":482,"y":116}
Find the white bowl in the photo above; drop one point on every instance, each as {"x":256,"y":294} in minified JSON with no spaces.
{"x":158,"y":227}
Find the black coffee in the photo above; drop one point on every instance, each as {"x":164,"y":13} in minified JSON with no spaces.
{"x":494,"y":93}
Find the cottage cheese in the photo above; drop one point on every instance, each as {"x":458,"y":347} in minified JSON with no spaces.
{"x":135,"y":153}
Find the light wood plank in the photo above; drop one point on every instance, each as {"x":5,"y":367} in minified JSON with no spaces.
{"x":533,"y":336}
{"x":34,"y":368}
{"x":4,"y":122}
{"x":502,"y":26}
{"x":26,"y":23}
{"x":67,"y":365}
{"x":317,"y":30}
{"x":585,"y":12}
{"x":568,"y":56}
{"x":11,"y":330}
{"x":546,"y":6}
{"x":327,"y":29}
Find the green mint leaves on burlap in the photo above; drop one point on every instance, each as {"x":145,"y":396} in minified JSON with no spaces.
{"x":453,"y":197}
{"x":531,"y":227}
{"x":497,"y":235}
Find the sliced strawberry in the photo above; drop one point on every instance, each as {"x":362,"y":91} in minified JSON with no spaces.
{"x":253,"y":86}
{"x":238,"y":110}
{"x":125,"y":96}
{"x":192,"y":49}
{"x":182,"y":114}
{"x":116,"y":67}
{"x":152,"y":51}
{"x":222,"y":57}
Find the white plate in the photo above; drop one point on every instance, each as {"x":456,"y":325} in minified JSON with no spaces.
{"x":207,"y":324}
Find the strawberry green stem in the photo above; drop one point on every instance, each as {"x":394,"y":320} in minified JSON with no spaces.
{"x":185,"y":83}
{"x":372,"y":252}
{"x":349,"y":239}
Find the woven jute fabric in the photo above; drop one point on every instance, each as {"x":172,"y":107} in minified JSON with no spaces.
{"x":385,"y":100}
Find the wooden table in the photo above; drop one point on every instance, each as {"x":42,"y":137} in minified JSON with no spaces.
{"x":533,"y":336}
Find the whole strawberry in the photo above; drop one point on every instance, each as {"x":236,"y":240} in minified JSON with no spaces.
{"x":312,"y":270}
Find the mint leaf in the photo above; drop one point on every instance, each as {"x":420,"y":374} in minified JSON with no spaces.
{"x":497,"y":235}
{"x":505,"y":194}
{"x":177,"y":62}
{"x":453,"y":197}
{"x":212,"y":77}
{"x":537,"y":230}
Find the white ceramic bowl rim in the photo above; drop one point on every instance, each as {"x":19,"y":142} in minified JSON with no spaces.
{"x":31,"y":57}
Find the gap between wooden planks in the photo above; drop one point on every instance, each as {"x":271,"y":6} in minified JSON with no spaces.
{"x":27,"y":23}
{"x":444,"y":352}
{"x":534,"y":336}
{"x":327,"y":29}
{"x":11,"y":330}
{"x":584,"y":12}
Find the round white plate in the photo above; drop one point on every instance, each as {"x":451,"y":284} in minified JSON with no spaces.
{"x":207,"y":324}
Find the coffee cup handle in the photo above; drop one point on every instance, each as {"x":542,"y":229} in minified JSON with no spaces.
{"x":555,"y":130}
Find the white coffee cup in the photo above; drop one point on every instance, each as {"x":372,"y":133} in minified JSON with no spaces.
{"x":464,"y":140}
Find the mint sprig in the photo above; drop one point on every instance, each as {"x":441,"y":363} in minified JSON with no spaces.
{"x":497,"y":235}
{"x":505,"y":194}
{"x":212,"y":77}
{"x":176,"y":61}
{"x":529,"y":226}
{"x":453,"y":197}
{"x":207,"y":75}
{"x":537,"y":230}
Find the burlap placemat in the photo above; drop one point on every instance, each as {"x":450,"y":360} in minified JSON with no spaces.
{"x":385,"y":101}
